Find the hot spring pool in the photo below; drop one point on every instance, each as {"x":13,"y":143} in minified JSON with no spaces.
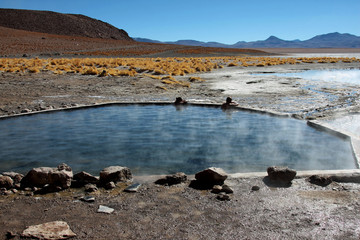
{"x":162,"y":139}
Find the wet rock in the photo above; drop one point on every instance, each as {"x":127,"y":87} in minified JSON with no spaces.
{"x":6,"y":182}
{"x":83,"y":178}
{"x":211,"y":176}
{"x":169,"y":180}
{"x":16,"y":177}
{"x":90,"y":188}
{"x":320,"y":180}
{"x":223,"y":197}
{"x":105,"y":209}
{"x":115,"y":174}
{"x":110,"y":185}
{"x":281,"y":174}
{"x":50,"y":230}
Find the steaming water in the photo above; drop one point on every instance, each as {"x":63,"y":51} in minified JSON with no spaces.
{"x":347,"y":76}
{"x":153,"y":139}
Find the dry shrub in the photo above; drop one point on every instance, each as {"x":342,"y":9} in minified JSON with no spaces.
{"x":156,"y":66}
{"x":176,"y":82}
{"x":194,"y":79}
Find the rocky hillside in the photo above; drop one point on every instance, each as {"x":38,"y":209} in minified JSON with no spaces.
{"x":60,"y":24}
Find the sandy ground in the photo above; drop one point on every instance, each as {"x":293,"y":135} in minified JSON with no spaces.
{"x":302,"y":211}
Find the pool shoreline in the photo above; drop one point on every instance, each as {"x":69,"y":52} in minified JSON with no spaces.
{"x":317,"y":124}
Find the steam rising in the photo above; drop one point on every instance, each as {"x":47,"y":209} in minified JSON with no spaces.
{"x":349,"y":76}
{"x":160,"y":139}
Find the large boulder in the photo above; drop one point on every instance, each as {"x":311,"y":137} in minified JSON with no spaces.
{"x":115,"y":174}
{"x":6,"y":182}
{"x":281,"y":174}
{"x":49,"y":230}
{"x":209,"y":177}
{"x":55,"y":177}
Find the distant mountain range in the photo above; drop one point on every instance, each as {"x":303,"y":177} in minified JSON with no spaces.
{"x":330,"y":40}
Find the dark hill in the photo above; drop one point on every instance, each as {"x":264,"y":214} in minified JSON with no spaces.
{"x":60,"y":24}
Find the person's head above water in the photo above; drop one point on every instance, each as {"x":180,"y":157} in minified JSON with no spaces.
{"x":179,"y":100}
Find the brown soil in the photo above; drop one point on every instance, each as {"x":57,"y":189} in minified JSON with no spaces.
{"x":16,"y":43}
{"x":303,"y":211}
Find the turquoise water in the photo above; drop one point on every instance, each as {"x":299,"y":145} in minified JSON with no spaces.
{"x":162,"y":139}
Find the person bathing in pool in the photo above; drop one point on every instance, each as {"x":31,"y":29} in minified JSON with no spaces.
{"x":179,"y":101}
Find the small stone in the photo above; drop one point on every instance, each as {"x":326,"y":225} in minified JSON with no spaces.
{"x":226,"y":189}
{"x":216,"y":189}
{"x":10,"y":235}
{"x":50,"y":230}
{"x":211,"y":176}
{"x":223,"y":197}
{"x":16,"y":177}
{"x":88,"y":199}
{"x":109,"y":185}
{"x":26,"y":110}
{"x":320,"y":180}
{"x":8,"y":192}
{"x":133,"y":188}
{"x":105,"y":209}
{"x":169,"y":180}
{"x":6,"y":182}
{"x":281,"y":174}
{"x":90,"y":188}
{"x":255,"y":188}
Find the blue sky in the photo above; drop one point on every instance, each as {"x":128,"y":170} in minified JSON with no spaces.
{"x":213,"y":20}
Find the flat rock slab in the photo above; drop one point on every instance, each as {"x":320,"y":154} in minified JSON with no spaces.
{"x":49,"y":230}
{"x":133,"y":188}
{"x":105,"y":209}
